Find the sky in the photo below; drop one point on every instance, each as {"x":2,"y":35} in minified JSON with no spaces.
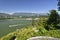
{"x":34,"y":6}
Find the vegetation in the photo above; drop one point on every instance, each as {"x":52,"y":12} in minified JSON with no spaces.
{"x":23,"y":34}
{"x":53,"y":20}
{"x":41,"y":27}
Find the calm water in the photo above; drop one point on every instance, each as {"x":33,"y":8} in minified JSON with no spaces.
{"x":17,"y":24}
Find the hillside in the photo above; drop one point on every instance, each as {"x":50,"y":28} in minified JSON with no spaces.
{"x":23,"y":34}
{"x":24,"y":14}
{"x":4,"y":14}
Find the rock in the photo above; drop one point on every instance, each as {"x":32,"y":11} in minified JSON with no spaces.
{"x":43,"y":38}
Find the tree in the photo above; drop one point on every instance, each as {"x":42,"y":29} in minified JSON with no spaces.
{"x":33,"y":21}
{"x":52,"y":20}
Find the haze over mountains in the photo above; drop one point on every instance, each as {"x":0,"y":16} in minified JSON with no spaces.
{"x":23,"y":14}
{"x":4,"y":14}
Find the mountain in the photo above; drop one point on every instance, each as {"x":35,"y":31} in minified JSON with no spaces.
{"x":18,"y":14}
{"x":29,"y":14}
{"x":24,"y":14}
{"x":4,"y":14}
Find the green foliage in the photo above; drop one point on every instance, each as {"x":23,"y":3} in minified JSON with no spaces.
{"x":25,"y":33}
{"x":53,"y":20}
{"x":53,"y":17}
{"x":53,"y":33}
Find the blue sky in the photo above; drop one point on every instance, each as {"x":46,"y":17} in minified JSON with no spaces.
{"x":39,"y":6}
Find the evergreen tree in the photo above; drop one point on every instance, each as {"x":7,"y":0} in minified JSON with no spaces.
{"x":52,"y":20}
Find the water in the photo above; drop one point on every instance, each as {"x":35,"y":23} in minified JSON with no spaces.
{"x":7,"y":26}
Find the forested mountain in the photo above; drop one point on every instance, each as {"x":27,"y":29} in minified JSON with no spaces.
{"x":23,"y":14}
{"x":4,"y":14}
{"x":29,"y":14}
